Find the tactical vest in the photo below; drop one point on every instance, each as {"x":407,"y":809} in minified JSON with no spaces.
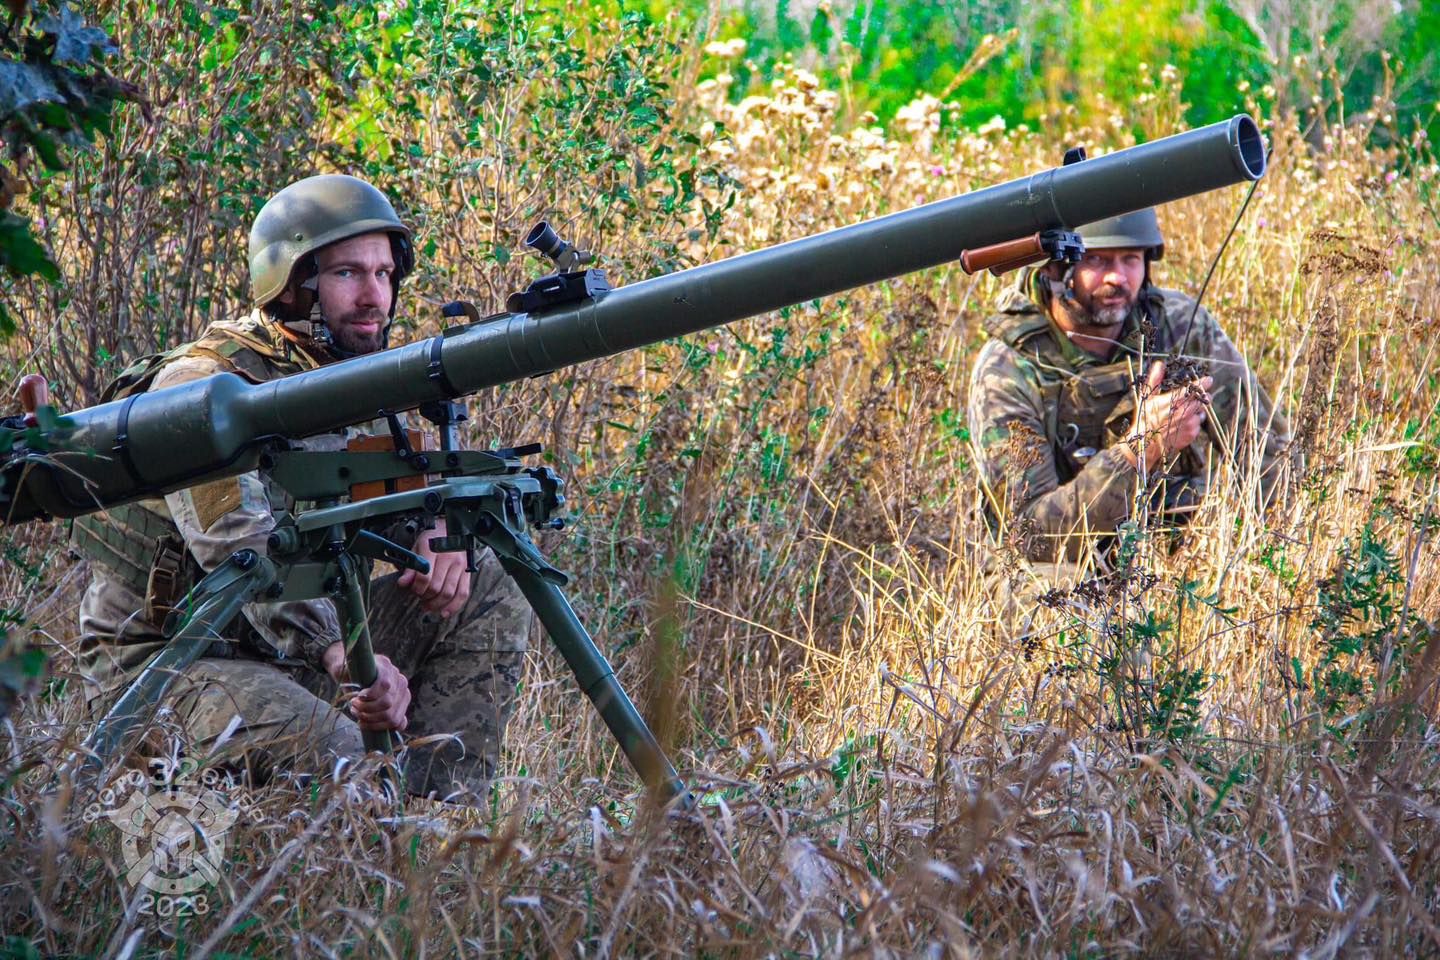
{"x":138,"y":545}
{"x":1086,"y":410}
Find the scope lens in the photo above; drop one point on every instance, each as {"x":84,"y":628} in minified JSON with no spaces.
{"x":544,"y":239}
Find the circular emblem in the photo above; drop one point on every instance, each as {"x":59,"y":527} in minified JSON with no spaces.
{"x":173,"y":834}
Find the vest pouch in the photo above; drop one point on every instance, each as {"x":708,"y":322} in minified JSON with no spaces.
{"x":140,"y":549}
{"x":1086,"y":404}
{"x":170,"y":579}
{"x":1121,"y":422}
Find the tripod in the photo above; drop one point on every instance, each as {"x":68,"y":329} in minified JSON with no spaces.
{"x":488,"y":499}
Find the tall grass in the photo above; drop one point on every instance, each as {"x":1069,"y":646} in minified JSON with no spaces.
{"x":1239,"y":759}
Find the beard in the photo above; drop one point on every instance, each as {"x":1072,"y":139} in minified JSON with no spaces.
{"x":347,"y":337}
{"x":1104,"y":317}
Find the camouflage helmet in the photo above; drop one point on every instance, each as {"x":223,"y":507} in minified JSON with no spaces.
{"x":1139,"y":229}
{"x":314,"y":213}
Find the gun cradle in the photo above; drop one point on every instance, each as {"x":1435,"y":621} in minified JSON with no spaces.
{"x":489,"y":500}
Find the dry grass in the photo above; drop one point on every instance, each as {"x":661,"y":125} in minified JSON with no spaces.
{"x":884,"y":769}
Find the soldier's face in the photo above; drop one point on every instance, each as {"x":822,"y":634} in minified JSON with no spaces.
{"x":1107,"y":283}
{"x":355,"y":290}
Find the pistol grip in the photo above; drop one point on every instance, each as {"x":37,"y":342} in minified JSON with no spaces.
{"x":34,"y":393}
{"x":1001,"y":257}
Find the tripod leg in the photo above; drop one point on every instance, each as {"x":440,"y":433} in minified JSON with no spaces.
{"x":213,"y":604}
{"x":359,"y":654}
{"x":597,"y":680}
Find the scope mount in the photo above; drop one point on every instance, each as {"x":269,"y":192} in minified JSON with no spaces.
{"x":557,"y":289}
{"x":566,"y":284}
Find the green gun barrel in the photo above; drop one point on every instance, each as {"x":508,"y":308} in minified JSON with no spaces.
{"x":173,"y":438}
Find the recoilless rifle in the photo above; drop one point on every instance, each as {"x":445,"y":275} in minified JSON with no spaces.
{"x":150,"y":444}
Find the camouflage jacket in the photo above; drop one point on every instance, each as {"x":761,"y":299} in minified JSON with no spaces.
{"x":121,"y":621}
{"x":1046,"y":418}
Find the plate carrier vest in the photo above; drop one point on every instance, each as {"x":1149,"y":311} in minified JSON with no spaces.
{"x":140,"y":546}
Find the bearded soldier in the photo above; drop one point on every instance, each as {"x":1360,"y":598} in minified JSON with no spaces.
{"x":327,"y":257}
{"x":1097,"y":388}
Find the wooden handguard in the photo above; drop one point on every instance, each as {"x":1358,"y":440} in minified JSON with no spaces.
{"x":999,"y":258}
{"x":34,"y":393}
{"x":384,"y":443}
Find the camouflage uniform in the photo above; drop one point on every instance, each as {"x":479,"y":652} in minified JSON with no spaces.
{"x":462,"y":670}
{"x":1047,"y":418}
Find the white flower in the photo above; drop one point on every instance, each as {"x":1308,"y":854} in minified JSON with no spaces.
{"x":920,"y":114}
{"x":995,"y":124}
{"x":725,"y":49}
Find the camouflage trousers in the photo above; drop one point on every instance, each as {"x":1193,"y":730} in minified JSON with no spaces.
{"x":463,"y":672}
{"x":1015,"y":591}
{"x":1016,"y":587}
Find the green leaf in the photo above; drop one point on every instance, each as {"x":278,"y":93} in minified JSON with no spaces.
{"x":76,"y":42}
{"x":20,"y":949}
{"x":19,"y":670}
{"x":55,"y":116}
{"x":23,"y":85}
{"x":48,"y":150}
{"x":820,"y":31}
{"x":20,"y":253}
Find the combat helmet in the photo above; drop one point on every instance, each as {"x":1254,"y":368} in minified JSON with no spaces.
{"x":314,"y":213}
{"x":1139,"y":228}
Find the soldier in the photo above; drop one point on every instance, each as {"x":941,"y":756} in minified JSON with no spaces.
{"x":327,"y":257}
{"x":1053,"y":404}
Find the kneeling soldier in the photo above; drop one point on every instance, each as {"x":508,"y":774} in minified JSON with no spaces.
{"x":1053,"y":410}
{"x":327,"y":256}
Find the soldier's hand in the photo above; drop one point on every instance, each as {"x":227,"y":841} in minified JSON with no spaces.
{"x":384,"y":704}
{"x":1167,"y":422}
{"x":446,"y":587}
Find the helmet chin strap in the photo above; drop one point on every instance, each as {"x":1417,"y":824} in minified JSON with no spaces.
{"x":1062,"y":291}
{"x":1064,"y":288}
